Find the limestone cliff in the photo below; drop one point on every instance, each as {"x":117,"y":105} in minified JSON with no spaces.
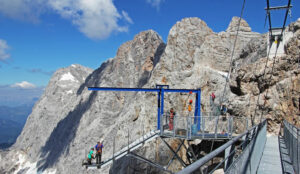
{"x":277,"y":92}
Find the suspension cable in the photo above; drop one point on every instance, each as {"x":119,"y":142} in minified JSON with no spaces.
{"x":273,"y":65}
{"x":264,"y":72}
{"x":229,"y":71}
{"x":232,"y":52}
{"x":252,"y":117}
{"x":274,"y":59}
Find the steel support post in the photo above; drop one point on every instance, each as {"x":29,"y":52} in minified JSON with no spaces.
{"x":188,"y":152}
{"x":162,"y":93}
{"x":173,"y":157}
{"x":229,"y":153}
{"x":158,"y":111}
{"x":199,"y":108}
{"x":174,"y":125}
{"x":114,"y":146}
{"x":179,"y":159}
{"x":128,"y":141}
{"x":298,"y":143}
{"x":193,"y":153}
{"x":148,"y":162}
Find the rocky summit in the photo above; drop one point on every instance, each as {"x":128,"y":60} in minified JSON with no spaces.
{"x":69,"y":119}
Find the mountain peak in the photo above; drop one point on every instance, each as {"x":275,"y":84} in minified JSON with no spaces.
{"x":146,"y":34}
{"x":233,"y":26}
{"x":190,"y":25}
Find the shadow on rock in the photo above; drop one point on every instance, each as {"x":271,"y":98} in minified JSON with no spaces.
{"x":63,"y":134}
{"x":94,"y":78}
{"x":146,"y":74}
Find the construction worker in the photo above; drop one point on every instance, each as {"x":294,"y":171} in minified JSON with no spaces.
{"x":90,"y":156}
{"x":223,"y":109}
{"x":213,"y":96}
{"x":99,"y":146}
{"x":190,"y":106}
{"x":171,"y":119}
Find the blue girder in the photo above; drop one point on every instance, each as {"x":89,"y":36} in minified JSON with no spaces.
{"x":142,"y":89}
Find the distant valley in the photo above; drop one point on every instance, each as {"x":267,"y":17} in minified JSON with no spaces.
{"x":12,"y":120}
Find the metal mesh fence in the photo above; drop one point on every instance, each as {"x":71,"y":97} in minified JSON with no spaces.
{"x":243,"y":158}
{"x":292,"y":140}
{"x":247,"y":162}
{"x":205,"y":127}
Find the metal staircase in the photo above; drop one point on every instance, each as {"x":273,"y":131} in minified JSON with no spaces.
{"x":126,"y":150}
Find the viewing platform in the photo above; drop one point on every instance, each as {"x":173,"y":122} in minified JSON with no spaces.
{"x":202,"y":127}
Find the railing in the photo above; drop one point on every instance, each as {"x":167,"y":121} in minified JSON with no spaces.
{"x":291,"y":136}
{"x":252,"y":150}
{"x":203,"y":127}
{"x":121,"y":142}
{"x":246,"y":161}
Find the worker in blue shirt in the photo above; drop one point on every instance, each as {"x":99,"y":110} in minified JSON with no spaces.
{"x":99,"y":148}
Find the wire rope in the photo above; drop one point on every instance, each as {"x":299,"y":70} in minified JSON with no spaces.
{"x":229,"y":71}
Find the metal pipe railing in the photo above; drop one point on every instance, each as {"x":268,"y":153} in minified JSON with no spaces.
{"x":185,"y":127}
{"x":291,"y":136}
{"x":196,"y":165}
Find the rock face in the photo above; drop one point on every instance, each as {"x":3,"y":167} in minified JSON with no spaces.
{"x":69,"y":119}
{"x":275,"y":95}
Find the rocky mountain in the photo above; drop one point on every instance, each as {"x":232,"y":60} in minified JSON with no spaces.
{"x":275,"y":95}
{"x":69,"y":119}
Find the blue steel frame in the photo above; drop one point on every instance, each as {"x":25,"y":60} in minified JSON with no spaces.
{"x":161,"y":89}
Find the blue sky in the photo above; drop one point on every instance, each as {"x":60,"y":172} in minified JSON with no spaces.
{"x":40,"y":36}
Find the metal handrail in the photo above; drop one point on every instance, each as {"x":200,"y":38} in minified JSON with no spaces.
{"x":190,"y":129}
{"x":196,"y":165}
{"x":291,"y":136}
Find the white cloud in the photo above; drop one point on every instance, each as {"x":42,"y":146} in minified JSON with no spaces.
{"x":97,"y":19}
{"x":28,"y":10}
{"x":24,"y":85}
{"x":155,"y":3}
{"x":3,"y":50}
{"x":126,"y":17}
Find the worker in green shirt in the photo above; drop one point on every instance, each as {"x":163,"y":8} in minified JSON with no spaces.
{"x":90,"y":156}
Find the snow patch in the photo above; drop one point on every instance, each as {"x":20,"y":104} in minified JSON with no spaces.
{"x":74,"y":66}
{"x":222,"y":73}
{"x":130,"y":58}
{"x":63,"y":85}
{"x":68,"y":77}
{"x":69,"y":92}
{"x":50,"y":171}
{"x":24,"y":164}
{"x":28,"y":167}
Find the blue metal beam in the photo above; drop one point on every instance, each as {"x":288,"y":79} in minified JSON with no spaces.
{"x":199,"y":109}
{"x":182,"y":90}
{"x":142,"y":89}
{"x":124,"y":89}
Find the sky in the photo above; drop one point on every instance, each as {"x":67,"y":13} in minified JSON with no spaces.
{"x":37,"y":37}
